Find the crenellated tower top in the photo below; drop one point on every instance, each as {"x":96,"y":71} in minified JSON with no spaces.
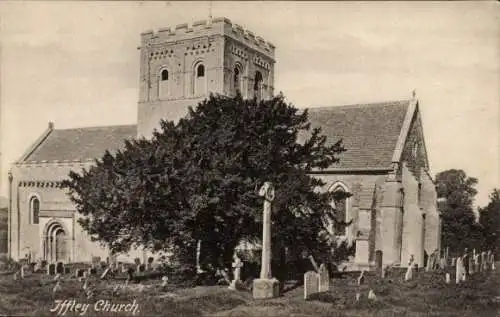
{"x":182,"y":65}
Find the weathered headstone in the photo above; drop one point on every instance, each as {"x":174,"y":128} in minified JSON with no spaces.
{"x":164,"y":281}
{"x":471,"y":265}
{"x":266,"y":286}
{"x":453,"y":261}
{"x":409,"y":270}
{"x":311,"y":284}
{"x":21,"y":272}
{"x":378,"y":263}
{"x":447,"y":278}
{"x":458,"y":271}
{"x":324,"y":279}
{"x":371,"y":295}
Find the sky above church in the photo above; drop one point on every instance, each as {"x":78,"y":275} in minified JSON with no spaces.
{"x":77,"y":64}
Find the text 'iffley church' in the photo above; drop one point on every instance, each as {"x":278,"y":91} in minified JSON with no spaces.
{"x":393,"y":205}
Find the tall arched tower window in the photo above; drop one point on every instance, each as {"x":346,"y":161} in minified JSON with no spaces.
{"x":34,"y":210}
{"x":257,"y":85}
{"x":163,"y":87}
{"x":200,"y":83}
{"x":237,"y":79}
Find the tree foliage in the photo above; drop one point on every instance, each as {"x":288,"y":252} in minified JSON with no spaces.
{"x":198,"y":179}
{"x":460,"y":229}
{"x":489,"y":218}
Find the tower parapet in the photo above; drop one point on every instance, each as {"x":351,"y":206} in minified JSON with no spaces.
{"x":181,"y":65}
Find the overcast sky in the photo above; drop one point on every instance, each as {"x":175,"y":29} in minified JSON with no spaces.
{"x":77,"y":64}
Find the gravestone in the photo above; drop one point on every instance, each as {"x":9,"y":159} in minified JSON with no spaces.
{"x":371,"y":295}
{"x":60,"y":268}
{"x":447,"y":278}
{"x":164,"y":281}
{"x":311,"y":284}
{"x":378,"y":263}
{"x":324,"y":279}
{"x":453,"y":261}
{"x":471,"y":265}
{"x":459,"y":271}
{"x":51,"y":269}
{"x":22,"y":272}
{"x":409,"y":270}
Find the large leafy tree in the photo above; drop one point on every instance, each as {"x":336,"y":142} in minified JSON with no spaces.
{"x":489,"y":218}
{"x":198,"y":180}
{"x":460,"y":229}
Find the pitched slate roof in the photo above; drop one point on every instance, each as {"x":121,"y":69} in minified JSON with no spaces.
{"x":80,"y":143}
{"x":369,"y":132}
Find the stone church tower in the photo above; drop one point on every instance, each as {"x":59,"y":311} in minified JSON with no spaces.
{"x":181,"y":66}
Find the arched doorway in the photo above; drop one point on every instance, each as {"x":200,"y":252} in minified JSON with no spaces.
{"x":54,"y":243}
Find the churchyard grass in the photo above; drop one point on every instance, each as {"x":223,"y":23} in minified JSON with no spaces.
{"x":425,"y":295}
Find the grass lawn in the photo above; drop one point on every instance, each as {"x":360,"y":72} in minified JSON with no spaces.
{"x":426,"y":295}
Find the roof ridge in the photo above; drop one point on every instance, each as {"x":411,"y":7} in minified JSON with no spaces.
{"x":362,"y":105}
{"x":99,"y":127}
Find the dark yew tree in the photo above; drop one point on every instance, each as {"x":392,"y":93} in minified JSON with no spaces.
{"x":198,"y":180}
{"x":460,"y":229}
{"x":489,"y":218}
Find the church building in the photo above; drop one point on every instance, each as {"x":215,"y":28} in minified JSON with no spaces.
{"x":392,"y":207}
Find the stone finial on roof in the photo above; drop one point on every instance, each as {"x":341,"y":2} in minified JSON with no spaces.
{"x":51,"y":125}
{"x":413,"y":94}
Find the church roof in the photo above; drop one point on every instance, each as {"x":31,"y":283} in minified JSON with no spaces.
{"x":370,"y":132}
{"x":78,"y":144}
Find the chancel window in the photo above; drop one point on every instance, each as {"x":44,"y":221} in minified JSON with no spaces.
{"x":35,"y":210}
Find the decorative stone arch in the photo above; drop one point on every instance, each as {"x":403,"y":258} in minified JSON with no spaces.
{"x":199,"y":77}
{"x":342,"y":205}
{"x":55,"y":241}
{"x":164,"y":79}
{"x":34,"y":202}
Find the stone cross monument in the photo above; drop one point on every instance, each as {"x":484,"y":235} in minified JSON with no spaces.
{"x":266,"y":286}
